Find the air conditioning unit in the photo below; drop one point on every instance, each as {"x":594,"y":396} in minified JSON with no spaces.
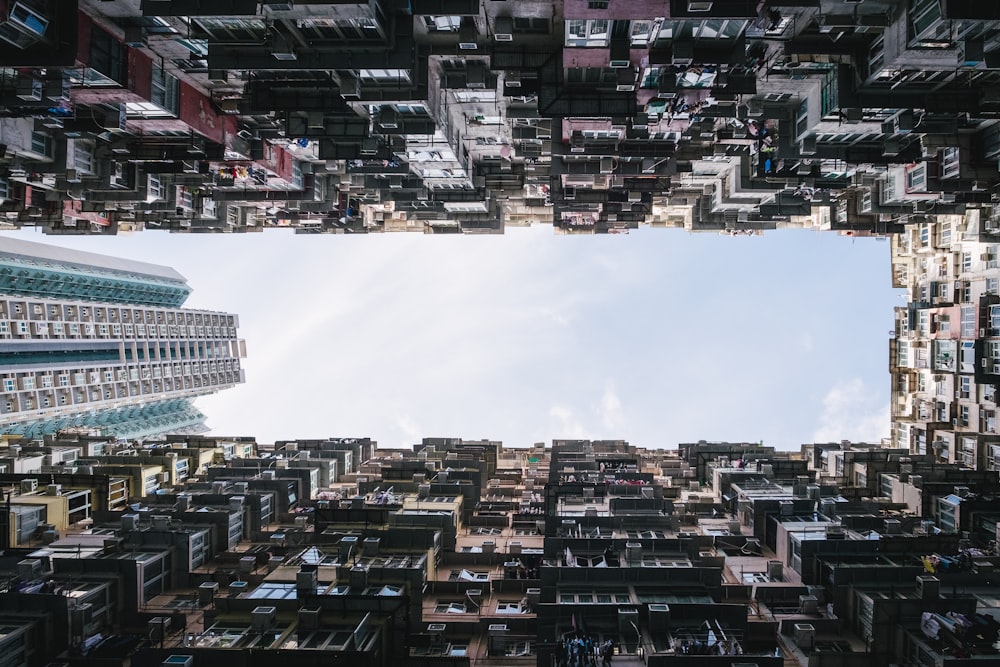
{"x":503,"y":29}
{"x":467,"y":34}
{"x":71,"y":149}
{"x":218,"y":76}
{"x":475,"y":75}
{"x":804,"y":636}
{"x":350,"y":87}
{"x":607,"y":165}
{"x":282,"y":49}
{"x":683,"y":53}
{"x":808,"y":146}
{"x":315,"y":120}
{"x":117,"y":178}
{"x":29,"y":90}
{"x":286,"y":6}
{"x":135,"y":36}
{"x":263,"y":618}
{"x":388,"y":119}
{"x":115,"y":119}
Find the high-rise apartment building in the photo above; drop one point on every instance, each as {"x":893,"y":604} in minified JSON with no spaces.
{"x":458,"y":116}
{"x":93,"y":341}
{"x":945,"y":352}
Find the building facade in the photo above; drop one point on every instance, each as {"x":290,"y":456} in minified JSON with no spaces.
{"x":944,"y":355}
{"x":99,"y":342}
{"x":456,"y":116}
{"x":466,"y":552}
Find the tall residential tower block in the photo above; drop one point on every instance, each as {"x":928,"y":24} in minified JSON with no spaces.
{"x":88,"y":340}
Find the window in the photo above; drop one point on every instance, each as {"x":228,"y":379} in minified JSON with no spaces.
{"x":968,"y":322}
{"x":876,"y":54}
{"x":355,"y":29}
{"x":714,"y":28}
{"x":597,"y":4}
{"x":40,"y":143}
{"x":945,"y":233}
{"x":410,"y":109}
{"x":107,"y":55}
{"x":231,"y":29}
{"x":924,"y":15}
{"x":601,"y":597}
{"x":450,"y":608}
{"x":443,"y":23}
{"x":588,"y":32}
{"x":640,"y":33}
{"x":164,"y":90}
{"x":802,"y":123}
{"x":903,"y":353}
{"x":950,"y":162}
{"x":916,"y":178}
{"x":510,"y":607}
{"x":83,"y":156}
{"x":379,"y":76}
{"x":990,"y":257}
{"x":8,"y":384}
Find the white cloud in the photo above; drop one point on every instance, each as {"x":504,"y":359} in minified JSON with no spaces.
{"x":610,"y":408}
{"x":410,"y":429}
{"x":565,"y":424}
{"x":852,"y":411}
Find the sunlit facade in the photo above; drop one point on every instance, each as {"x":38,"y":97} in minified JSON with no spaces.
{"x":86,"y":340}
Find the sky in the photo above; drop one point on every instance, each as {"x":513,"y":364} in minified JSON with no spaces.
{"x":657,"y":337}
